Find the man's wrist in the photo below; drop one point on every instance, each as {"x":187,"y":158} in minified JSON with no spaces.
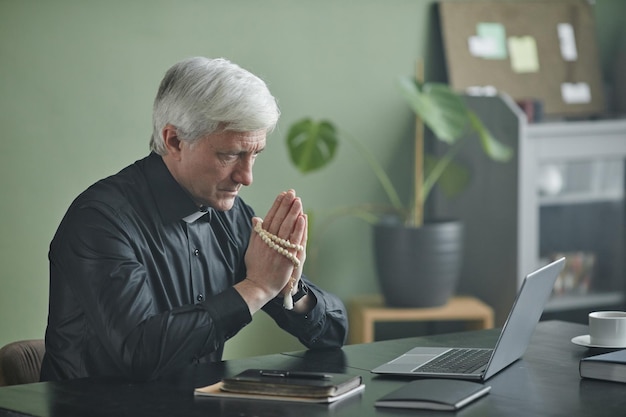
{"x":254,"y":294}
{"x":303,"y":290}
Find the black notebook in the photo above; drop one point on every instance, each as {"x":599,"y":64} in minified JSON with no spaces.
{"x":434,"y":394}
{"x":286,"y":385}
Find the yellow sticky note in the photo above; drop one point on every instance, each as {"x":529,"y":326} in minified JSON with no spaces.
{"x":523,"y":53}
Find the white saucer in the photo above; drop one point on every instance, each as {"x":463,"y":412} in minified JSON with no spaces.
{"x":584,"y":340}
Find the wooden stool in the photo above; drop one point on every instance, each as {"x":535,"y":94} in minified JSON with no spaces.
{"x":364,"y":311}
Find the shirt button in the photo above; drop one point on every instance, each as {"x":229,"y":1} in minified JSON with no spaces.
{"x":200,"y":297}
{"x":196,"y":252}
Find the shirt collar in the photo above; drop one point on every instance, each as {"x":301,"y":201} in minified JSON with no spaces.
{"x":172,"y":201}
{"x":195,"y":216}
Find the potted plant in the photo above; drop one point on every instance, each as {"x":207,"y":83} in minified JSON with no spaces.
{"x":405,"y":245}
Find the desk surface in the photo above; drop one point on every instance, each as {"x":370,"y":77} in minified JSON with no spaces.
{"x":545,"y":382}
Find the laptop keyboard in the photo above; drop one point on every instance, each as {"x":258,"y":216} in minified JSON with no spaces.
{"x":458,"y":361}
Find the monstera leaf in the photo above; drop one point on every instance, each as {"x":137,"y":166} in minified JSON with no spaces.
{"x":311,"y":144}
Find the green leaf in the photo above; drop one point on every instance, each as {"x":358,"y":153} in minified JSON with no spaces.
{"x":440,"y":108}
{"x":311,"y":145}
{"x":496,"y":150}
{"x":453,"y":180}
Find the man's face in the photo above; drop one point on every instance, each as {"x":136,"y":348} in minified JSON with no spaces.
{"x":213,"y":169}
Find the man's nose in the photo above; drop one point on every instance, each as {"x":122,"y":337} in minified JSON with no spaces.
{"x":243,"y":172}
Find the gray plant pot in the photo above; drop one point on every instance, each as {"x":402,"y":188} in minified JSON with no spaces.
{"x":418,"y":267}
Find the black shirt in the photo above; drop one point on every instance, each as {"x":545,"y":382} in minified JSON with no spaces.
{"x":136,"y":291}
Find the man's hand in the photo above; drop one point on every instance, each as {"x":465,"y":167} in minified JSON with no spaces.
{"x":269,"y":272}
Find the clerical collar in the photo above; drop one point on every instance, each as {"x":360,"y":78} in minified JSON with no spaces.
{"x":195,"y":216}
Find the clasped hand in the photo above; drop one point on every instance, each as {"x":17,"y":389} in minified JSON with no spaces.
{"x":267,"y":268}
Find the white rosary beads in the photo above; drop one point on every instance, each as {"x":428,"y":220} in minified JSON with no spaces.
{"x":281,"y":246}
{"x":288,"y":298}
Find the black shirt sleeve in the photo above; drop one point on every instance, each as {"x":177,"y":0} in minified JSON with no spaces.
{"x":325,"y":326}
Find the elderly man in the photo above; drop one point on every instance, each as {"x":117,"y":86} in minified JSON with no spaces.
{"x":154,"y":268}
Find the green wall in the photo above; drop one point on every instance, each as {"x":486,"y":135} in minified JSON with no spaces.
{"x":77,"y":79}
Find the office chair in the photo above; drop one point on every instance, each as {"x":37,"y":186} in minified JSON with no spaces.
{"x":20,"y":362}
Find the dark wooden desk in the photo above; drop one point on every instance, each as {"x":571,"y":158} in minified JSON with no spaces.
{"x":545,"y":382}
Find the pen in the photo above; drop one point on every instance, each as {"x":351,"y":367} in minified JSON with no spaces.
{"x":295,"y":374}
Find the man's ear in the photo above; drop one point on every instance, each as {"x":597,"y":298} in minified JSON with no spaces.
{"x":172,"y":142}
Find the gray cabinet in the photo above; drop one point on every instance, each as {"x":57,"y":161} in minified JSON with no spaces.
{"x":562,"y":193}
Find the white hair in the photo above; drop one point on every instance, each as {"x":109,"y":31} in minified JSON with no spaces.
{"x":200,"y":96}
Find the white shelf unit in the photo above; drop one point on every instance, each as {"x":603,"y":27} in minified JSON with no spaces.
{"x":515,"y":211}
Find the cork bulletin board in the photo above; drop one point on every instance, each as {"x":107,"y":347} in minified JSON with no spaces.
{"x":543,"y":50}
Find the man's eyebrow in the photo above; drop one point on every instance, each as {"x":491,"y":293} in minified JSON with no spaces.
{"x":239,"y":151}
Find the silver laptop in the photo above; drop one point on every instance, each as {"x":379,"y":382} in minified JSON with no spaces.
{"x":477,"y":363}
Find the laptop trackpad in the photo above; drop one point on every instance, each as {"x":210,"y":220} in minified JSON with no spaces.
{"x":413,"y":358}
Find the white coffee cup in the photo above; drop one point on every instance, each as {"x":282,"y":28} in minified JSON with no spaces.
{"x":607,"y":328}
